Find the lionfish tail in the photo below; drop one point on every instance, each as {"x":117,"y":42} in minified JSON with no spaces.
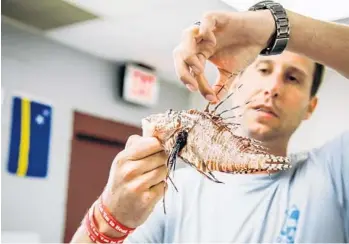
{"x":266,"y":162}
{"x":253,"y":163}
{"x":273,"y":162}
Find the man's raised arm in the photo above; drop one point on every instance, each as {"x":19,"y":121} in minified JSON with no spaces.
{"x":325,"y":42}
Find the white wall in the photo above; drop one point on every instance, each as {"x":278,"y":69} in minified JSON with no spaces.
{"x":69,"y":80}
{"x":330,"y":118}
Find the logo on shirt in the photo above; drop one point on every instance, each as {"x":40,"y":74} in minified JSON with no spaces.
{"x":289,"y":228}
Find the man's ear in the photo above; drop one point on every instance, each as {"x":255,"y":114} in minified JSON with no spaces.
{"x":311,"y":107}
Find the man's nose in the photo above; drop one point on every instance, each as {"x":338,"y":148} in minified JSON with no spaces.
{"x":274,"y":85}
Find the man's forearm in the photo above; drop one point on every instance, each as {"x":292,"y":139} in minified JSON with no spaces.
{"x":324,"y":42}
{"x":81,"y":236}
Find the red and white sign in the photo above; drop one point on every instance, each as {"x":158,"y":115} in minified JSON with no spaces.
{"x":140,"y":86}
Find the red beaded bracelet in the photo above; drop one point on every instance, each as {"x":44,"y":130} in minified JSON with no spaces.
{"x":93,"y":232}
{"x":112,"y":222}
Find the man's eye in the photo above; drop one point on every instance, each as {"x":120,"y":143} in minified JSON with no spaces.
{"x":263,"y":71}
{"x":292,"y":78}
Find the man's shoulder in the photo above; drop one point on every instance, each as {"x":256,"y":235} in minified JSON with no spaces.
{"x":331,"y":156}
{"x":338,"y":144}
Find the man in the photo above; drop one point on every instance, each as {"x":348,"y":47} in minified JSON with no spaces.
{"x":309,"y":203}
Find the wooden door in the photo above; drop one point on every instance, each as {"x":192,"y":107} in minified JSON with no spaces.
{"x":95,"y":144}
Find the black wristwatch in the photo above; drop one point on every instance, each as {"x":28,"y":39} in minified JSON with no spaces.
{"x":282,"y":34}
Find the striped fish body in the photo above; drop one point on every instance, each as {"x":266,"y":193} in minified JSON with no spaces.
{"x":211,"y":143}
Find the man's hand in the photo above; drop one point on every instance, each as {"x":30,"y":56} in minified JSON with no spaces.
{"x":230,"y":40}
{"x":136,"y":181}
{"x":135,"y":184}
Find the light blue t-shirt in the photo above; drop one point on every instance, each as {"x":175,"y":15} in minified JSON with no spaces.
{"x":309,"y":203}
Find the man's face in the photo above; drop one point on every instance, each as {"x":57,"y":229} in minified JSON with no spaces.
{"x":279,"y":88}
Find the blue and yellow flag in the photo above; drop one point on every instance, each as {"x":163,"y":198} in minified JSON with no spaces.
{"x":30,"y":138}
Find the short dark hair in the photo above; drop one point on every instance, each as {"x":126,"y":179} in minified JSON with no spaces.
{"x":317,"y":78}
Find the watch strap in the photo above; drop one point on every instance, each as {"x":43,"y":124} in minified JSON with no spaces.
{"x":282,"y":33}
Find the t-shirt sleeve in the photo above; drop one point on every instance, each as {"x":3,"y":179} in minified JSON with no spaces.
{"x":336,"y":155}
{"x":152,"y":230}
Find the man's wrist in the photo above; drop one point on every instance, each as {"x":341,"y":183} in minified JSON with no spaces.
{"x":103,"y":226}
{"x":282,"y":33}
{"x":262,"y":26}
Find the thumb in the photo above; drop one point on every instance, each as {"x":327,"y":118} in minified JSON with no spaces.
{"x":204,"y":86}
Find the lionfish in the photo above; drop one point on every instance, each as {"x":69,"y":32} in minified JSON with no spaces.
{"x":207,"y":141}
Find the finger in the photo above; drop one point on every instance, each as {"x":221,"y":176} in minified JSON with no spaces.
{"x":185,"y":58}
{"x":206,"y":29}
{"x":183,"y":73}
{"x":205,"y":89}
{"x":157,"y":191}
{"x":131,"y":169}
{"x":205,"y":51}
{"x":194,"y":63}
{"x":131,"y":140}
{"x":143,"y":147}
{"x":152,"y":162}
{"x":202,"y":58}
{"x":189,"y":48}
{"x":152,"y":177}
{"x":203,"y":84}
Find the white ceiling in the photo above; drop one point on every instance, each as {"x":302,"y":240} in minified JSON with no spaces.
{"x":320,"y":9}
{"x":137,"y":30}
{"x":148,"y":30}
